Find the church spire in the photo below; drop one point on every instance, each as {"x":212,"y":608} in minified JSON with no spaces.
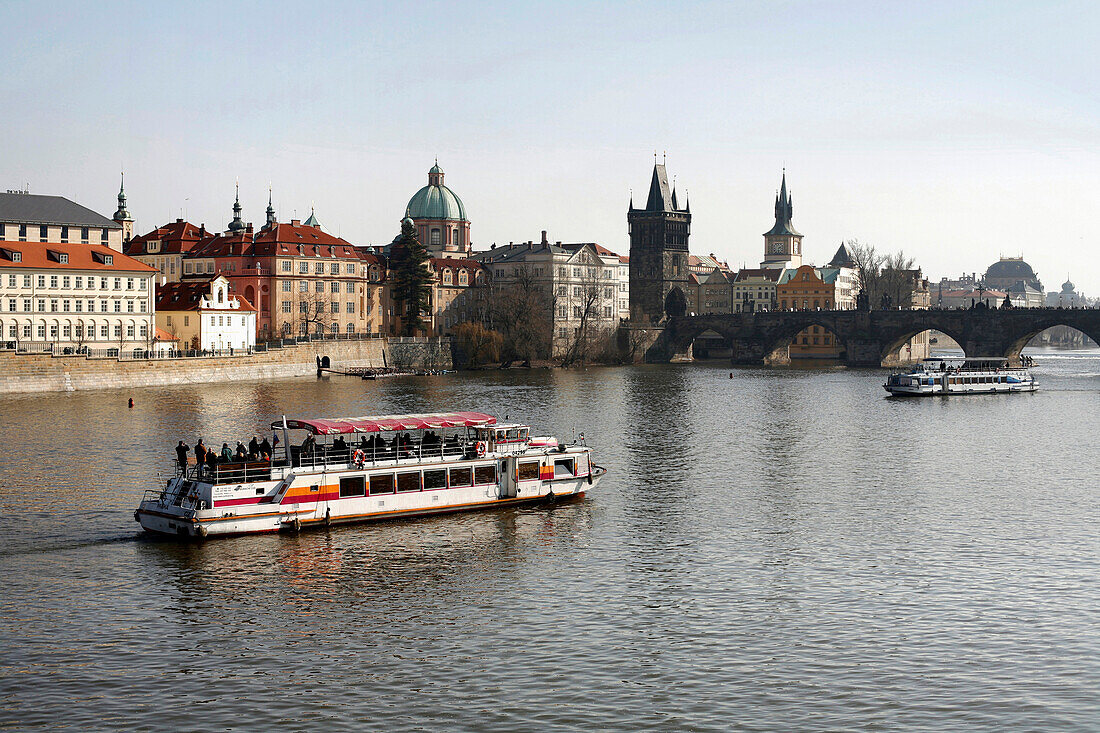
{"x":270,"y":210}
{"x":784,"y":212}
{"x":122,"y":214}
{"x":237,"y":225}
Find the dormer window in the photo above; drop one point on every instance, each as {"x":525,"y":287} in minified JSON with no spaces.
{"x":108,"y":259}
{"x":63,"y":258}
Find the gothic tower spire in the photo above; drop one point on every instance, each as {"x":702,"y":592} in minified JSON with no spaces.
{"x":122,"y":215}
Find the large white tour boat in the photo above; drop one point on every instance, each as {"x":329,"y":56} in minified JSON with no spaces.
{"x":359,"y":469}
{"x":961,"y":377}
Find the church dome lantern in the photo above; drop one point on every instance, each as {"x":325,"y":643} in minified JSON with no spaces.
{"x":439,"y":215}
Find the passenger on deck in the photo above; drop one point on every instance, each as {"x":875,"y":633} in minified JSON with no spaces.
{"x":253,"y":447}
{"x":181,"y":455}
{"x":339,"y":446}
{"x":309,"y":444}
{"x":265,"y":448}
{"x":211,"y":459}
{"x":200,"y":454}
{"x":242,"y":452}
{"x":227,"y":455}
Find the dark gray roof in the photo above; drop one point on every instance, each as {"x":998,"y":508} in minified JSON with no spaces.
{"x":30,"y":208}
{"x":842,"y":258}
{"x":784,"y":211}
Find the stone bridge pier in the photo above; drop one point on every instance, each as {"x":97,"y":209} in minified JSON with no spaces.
{"x":866,"y":338}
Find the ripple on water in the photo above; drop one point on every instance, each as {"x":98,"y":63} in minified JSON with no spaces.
{"x":780,"y":550}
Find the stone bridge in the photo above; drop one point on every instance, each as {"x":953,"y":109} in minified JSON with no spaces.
{"x":867,"y":338}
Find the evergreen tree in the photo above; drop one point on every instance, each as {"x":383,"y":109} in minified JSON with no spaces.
{"x":411,"y":281}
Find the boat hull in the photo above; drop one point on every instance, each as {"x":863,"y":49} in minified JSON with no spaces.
{"x":180,"y":522}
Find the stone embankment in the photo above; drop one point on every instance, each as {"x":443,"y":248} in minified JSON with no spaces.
{"x":23,"y":373}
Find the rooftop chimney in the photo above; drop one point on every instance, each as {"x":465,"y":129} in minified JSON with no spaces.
{"x":295,"y":222}
{"x":544,"y":240}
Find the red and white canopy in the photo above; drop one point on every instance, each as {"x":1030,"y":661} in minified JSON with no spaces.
{"x":388,"y":423}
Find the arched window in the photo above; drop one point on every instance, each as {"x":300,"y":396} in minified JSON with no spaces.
{"x":455,"y":238}
{"x":463,"y":278}
{"x":351,"y":328}
{"x":221,"y":295}
{"x":447,"y":277}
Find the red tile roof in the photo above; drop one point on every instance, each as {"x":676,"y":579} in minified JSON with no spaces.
{"x":159,"y":334}
{"x":300,"y":240}
{"x":187,"y":295}
{"x":174,"y":238}
{"x":764,"y":272}
{"x":81,"y":257}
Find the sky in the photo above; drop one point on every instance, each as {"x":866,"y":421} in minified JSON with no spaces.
{"x":956,"y":132}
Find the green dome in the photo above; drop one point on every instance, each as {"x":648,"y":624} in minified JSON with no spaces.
{"x":435,"y":202}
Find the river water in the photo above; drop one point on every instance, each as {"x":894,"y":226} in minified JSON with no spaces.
{"x":786,"y":549}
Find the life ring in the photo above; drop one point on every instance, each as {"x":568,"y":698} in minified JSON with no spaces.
{"x":358,"y":457}
{"x":481,"y":447}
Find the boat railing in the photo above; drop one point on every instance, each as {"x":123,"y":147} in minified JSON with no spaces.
{"x":229,"y":472}
{"x":323,"y":457}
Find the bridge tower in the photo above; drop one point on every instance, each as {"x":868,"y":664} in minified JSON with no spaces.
{"x":658,"y":253}
{"x":782,"y":243}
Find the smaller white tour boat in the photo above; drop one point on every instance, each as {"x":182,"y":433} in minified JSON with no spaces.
{"x":360,"y":469}
{"x":961,"y":377}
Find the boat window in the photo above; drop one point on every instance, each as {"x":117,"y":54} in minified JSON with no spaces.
{"x":524,"y":433}
{"x":408,"y":481}
{"x":461,"y":476}
{"x":564,"y":467}
{"x":352,"y":486}
{"x":513,"y":434}
{"x":501,"y":436}
{"x":381,"y":483}
{"x":528,"y":471}
{"x":485,"y":474}
{"x":435,"y":479}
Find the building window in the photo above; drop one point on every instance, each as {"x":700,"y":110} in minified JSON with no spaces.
{"x":53,"y":281}
{"x":319,"y":286}
{"x":144,"y":331}
{"x":103,"y":236}
{"x":129,"y":306}
{"x":284,"y":265}
{"x":118,"y":306}
{"x":41,"y":330}
{"x":350,"y":287}
{"x":334,"y":268}
{"x":350,"y":268}
{"x":319,"y":268}
{"x":334,"y":287}
{"x":303,"y":286}
{"x":41,"y":305}
{"x":43,"y":233}
{"x":335,"y":307}
{"x":64,"y":306}
{"x":110,"y":260}
{"x":303,"y":267}
{"x":104,"y":331}
{"x":129,"y":283}
{"x":286,"y":286}
{"x":436,"y":237}
{"x":22,"y":232}
{"x":350,"y":307}
{"x":303,"y":307}
{"x":286,"y":306}
{"x":41,"y":281}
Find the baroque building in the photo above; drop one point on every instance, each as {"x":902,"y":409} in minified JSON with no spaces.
{"x":659,"y":272}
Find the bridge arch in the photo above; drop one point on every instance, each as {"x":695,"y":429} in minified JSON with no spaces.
{"x":675,"y":303}
{"x":894,"y":339}
{"x":783,"y":334}
{"x":1020,"y":339}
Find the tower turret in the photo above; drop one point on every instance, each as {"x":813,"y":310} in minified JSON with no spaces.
{"x":782,"y":243}
{"x":122,"y":215}
{"x":270,"y":222}
{"x":237,"y":225}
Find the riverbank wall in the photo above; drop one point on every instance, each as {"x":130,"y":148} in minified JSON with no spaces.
{"x":25,"y":373}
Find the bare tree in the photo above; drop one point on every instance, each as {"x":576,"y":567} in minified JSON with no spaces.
{"x":313,"y":312}
{"x":898,"y":280}
{"x":521,"y":310}
{"x":588,"y":308}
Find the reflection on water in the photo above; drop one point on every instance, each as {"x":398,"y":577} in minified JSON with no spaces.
{"x":783,"y":549}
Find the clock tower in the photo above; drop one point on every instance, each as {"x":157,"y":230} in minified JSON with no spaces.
{"x":782,"y":243}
